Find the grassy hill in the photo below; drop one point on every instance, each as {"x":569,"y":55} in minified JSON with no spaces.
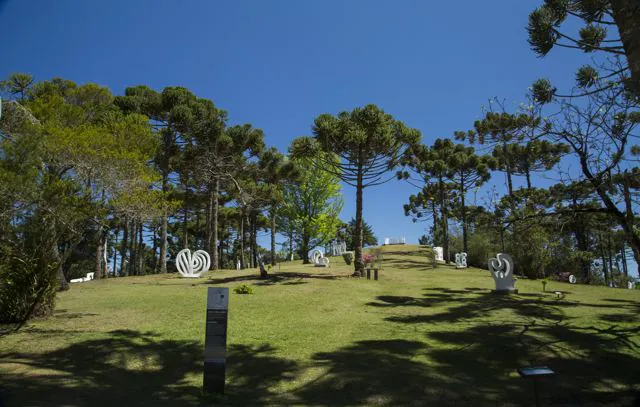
{"x":315,"y":336}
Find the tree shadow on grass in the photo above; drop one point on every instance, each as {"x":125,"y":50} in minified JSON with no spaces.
{"x":131,"y":368}
{"x":125,"y":368}
{"x":594,"y":364}
{"x":407,"y":264}
{"x":378,"y":372}
{"x":460,"y":304}
{"x":272,"y":278}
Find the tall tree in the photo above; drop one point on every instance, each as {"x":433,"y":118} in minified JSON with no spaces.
{"x":368,"y":237}
{"x":368,"y":143}
{"x":468,"y":170}
{"x":311,"y":206}
{"x":595,"y":19}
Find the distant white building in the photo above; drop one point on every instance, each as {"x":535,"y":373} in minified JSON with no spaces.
{"x":391,"y":240}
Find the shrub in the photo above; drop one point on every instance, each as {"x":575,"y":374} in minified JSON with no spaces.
{"x":27,"y":287}
{"x":368,"y":258}
{"x":243,"y":289}
{"x":348,"y":257}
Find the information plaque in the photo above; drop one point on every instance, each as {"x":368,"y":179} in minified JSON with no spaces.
{"x":215,"y":343}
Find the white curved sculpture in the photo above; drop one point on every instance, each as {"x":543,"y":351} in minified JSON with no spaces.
{"x":572,"y":279}
{"x":461,"y":260}
{"x":501,"y":269}
{"x":318,"y":259}
{"x":192,"y":266}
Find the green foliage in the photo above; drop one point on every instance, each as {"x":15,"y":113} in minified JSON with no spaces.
{"x":368,"y":237}
{"x":348,"y":257}
{"x":361,"y":146}
{"x":243,"y":289}
{"x":311,"y":206}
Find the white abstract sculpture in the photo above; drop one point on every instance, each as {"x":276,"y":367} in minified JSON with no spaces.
{"x":461,"y":260}
{"x":238,"y":265}
{"x":501,"y":269}
{"x":318,"y":259}
{"x":192,"y":266}
{"x":89,"y":277}
{"x":572,"y":279}
{"x":631,"y":285}
{"x":439,"y":253}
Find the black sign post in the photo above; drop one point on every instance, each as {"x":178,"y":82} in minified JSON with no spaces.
{"x":215,"y":343}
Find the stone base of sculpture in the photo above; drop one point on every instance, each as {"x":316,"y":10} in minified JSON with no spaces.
{"x":505,"y":292}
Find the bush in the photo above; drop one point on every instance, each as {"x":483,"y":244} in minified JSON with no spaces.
{"x":243,"y":289}
{"x":348,"y":257}
{"x":27,"y":287}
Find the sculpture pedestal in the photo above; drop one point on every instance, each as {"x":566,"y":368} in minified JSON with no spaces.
{"x":504,"y":292}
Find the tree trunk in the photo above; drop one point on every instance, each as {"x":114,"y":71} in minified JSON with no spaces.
{"x":140,"y":249}
{"x":291,"y":242}
{"x":273,"y":235}
{"x":216,"y":210}
{"x":465,"y":237}
{"x":115,"y":251}
{"x":358,"y":261}
{"x":98,"y":268}
{"x":154,"y":230}
{"x":626,"y":14}
{"x":254,"y":238}
{"x":241,"y":238}
{"x":123,"y":250}
{"x":445,"y":220}
{"x":527,"y":174}
{"x":134,"y":249}
{"x":623,"y":256}
{"x":434,"y":209}
{"x":185,"y":219}
{"x":304,"y":253}
{"x":164,"y":230}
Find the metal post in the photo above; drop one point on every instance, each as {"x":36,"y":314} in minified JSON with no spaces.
{"x":375,"y":274}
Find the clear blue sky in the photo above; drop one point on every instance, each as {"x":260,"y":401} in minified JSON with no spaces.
{"x":278,"y":64}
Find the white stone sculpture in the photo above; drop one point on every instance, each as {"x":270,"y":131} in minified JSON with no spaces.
{"x":439,"y":253}
{"x":89,"y":277}
{"x":572,"y":279}
{"x":461,"y":260}
{"x":318,"y":259}
{"x":192,"y":265}
{"x":238,"y":265}
{"x":501,"y":269}
{"x":631,"y":285}
{"x":336,"y":248}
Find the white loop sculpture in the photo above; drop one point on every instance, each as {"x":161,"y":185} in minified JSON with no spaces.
{"x":192,"y":266}
{"x":461,"y":260}
{"x":318,"y":259}
{"x":501,"y":269}
{"x":572,"y":279}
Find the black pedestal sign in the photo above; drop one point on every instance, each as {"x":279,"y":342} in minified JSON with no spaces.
{"x":215,"y":343}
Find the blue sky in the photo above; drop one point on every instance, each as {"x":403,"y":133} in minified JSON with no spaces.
{"x":278,"y":64}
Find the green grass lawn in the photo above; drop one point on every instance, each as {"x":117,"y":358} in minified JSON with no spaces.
{"x":314,"y":336}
